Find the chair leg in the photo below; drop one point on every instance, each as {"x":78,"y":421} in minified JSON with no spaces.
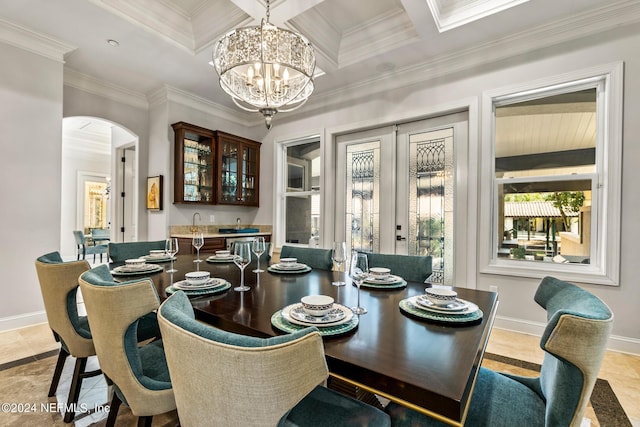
{"x":74,"y":391}
{"x":62,"y":357}
{"x":113,"y":410}
{"x":145,"y":421}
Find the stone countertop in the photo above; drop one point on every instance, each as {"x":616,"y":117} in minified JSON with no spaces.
{"x":223,"y":235}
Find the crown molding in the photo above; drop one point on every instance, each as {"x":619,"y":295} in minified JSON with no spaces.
{"x":449,"y":15}
{"x":33,"y":42}
{"x":204,"y":105}
{"x":90,"y":84}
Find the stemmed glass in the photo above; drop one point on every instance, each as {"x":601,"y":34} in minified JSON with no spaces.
{"x":242,"y":257}
{"x":358,"y":271}
{"x":171,"y":248}
{"x":338,"y":254}
{"x":258,"y":248}
{"x":197,"y":242}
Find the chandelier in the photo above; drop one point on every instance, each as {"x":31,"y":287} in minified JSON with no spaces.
{"x":265,"y":69}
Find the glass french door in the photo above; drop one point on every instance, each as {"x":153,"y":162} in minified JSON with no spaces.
{"x":400,"y":193}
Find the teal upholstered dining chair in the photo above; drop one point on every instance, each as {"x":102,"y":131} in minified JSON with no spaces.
{"x":118,"y":252}
{"x":412,"y":268}
{"x":138,"y":371}
{"x":83,"y":248}
{"x":59,"y":285}
{"x":224,"y":379}
{"x":100,"y":235}
{"x":313,"y":257}
{"x":574,"y":341}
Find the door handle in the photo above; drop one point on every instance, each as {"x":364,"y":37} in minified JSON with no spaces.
{"x":399,"y":237}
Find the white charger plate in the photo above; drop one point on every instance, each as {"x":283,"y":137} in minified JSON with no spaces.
{"x":383,"y":281}
{"x":289,"y":267}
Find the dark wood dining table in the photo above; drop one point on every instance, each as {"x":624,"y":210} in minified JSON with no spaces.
{"x":430,"y":367}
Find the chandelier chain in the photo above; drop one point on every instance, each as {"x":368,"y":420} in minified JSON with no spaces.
{"x":268,"y":9}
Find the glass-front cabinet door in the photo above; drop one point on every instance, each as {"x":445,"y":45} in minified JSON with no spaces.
{"x":239,"y":170}
{"x":194,"y":164}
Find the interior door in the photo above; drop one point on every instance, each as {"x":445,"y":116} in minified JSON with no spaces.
{"x":398,"y":189}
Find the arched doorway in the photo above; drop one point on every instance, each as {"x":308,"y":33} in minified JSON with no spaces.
{"x":98,"y":188}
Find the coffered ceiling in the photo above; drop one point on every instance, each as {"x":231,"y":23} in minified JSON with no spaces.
{"x":362,"y":46}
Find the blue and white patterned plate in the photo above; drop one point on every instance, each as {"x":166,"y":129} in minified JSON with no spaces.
{"x":170,"y":290}
{"x":295,"y":313}
{"x":383,"y":285}
{"x":411,"y":307}
{"x":279,"y":322}
{"x":157,"y":259}
{"x":220,"y":259}
{"x":123,"y":270}
{"x":306,"y":269}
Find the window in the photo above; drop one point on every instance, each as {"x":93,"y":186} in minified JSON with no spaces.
{"x":298,"y":210}
{"x":555,"y":174}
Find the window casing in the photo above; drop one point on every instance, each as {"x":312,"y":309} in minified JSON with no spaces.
{"x":596,"y":176}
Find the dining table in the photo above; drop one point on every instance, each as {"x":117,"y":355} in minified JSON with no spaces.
{"x":425,"y":364}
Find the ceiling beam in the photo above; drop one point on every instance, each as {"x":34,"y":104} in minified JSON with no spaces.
{"x":280,"y":13}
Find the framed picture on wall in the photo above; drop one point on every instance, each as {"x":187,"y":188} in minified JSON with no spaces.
{"x":154,"y":193}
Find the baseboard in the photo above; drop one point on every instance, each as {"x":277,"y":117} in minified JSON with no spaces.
{"x":616,"y":342}
{"x":22,"y":321}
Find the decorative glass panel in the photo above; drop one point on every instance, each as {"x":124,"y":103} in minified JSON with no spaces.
{"x":363,"y":196}
{"x":431,"y":204}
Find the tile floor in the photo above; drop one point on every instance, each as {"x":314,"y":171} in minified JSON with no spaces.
{"x":621,"y":370}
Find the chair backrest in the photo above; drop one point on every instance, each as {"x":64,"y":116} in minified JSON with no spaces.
{"x":79,"y":237}
{"x":118,"y":252}
{"x":98,"y":234}
{"x":224,"y":379}
{"x":575,"y":340}
{"x":59,"y":285}
{"x":313,"y":257}
{"x":412,"y":268}
{"x":114,"y":310}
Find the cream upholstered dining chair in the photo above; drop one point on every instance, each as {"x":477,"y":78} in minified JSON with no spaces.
{"x":224,"y":379}
{"x":313,"y":257}
{"x":138,"y":372}
{"x":59,"y":286}
{"x":118,"y":252}
{"x":413,"y":268}
{"x":574,"y":341}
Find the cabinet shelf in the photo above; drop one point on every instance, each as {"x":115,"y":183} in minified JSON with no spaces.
{"x":215,"y":167}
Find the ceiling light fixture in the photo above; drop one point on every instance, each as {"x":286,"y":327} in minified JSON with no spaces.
{"x":265,"y":69}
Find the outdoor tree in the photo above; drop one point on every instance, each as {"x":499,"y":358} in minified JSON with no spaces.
{"x":567,"y":202}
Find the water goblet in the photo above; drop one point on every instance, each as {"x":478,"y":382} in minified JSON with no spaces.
{"x":171,"y":248}
{"x":242,"y":257}
{"x":258,"y":248}
{"x":338,"y":254}
{"x":197,"y":242}
{"x":358,"y":271}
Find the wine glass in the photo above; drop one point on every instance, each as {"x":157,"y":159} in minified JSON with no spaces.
{"x":197,"y":242}
{"x":358,"y":271}
{"x":258,"y":248}
{"x":171,"y":248}
{"x":242,"y":257}
{"x":338,"y":254}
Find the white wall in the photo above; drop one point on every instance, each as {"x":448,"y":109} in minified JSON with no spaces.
{"x":30,"y":142}
{"x":517,"y":309}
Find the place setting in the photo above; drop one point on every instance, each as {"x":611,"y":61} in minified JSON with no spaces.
{"x":158,"y":257}
{"x":382,"y":279}
{"x":222,"y":256}
{"x":134,"y":267}
{"x":320,"y":311}
{"x":289,"y":266}
{"x":441,"y":305}
{"x":199,"y":283}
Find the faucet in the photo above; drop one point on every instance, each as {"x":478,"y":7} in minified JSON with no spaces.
{"x":238,"y":224}
{"x":193,"y":222}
